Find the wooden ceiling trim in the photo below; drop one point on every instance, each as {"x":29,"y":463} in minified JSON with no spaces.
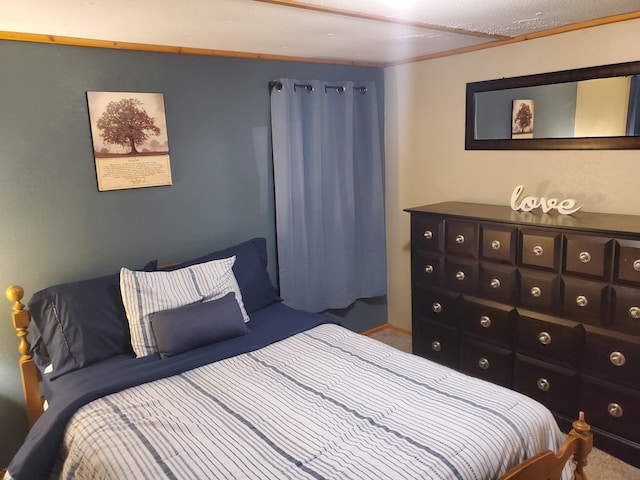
{"x":144,"y":47}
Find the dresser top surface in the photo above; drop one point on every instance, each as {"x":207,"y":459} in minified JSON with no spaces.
{"x":597,"y":222}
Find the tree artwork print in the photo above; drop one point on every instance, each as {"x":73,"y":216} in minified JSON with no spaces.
{"x":522,"y":119}
{"x":126,"y":123}
{"x":130,"y":142}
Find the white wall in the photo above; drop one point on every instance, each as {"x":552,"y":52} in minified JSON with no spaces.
{"x":425,"y":157}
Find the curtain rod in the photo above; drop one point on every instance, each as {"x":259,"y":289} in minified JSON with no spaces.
{"x":309,"y":88}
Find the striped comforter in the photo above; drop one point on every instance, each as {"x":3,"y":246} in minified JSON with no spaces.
{"x":325,"y":403}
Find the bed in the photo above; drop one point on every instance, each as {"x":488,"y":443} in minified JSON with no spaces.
{"x":199,"y":370}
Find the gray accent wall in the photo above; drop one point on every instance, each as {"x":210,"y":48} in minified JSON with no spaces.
{"x":56,"y":226}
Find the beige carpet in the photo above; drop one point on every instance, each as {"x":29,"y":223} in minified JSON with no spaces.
{"x":602,"y":466}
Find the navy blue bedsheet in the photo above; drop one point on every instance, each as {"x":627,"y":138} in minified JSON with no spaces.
{"x":36,"y":457}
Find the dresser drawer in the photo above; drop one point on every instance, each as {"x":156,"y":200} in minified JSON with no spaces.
{"x":498,"y":243}
{"x":588,"y":256}
{"x":436,"y":305}
{"x":427,"y":268}
{"x":627,"y":262}
{"x":489,"y":321}
{"x":488,"y":362}
{"x":549,"y":338}
{"x":613,"y":356}
{"x":539,"y":291}
{"x":586,"y":301}
{"x":553,"y":386}
{"x":435,"y":342}
{"x":427,"y":233}
{"x":461,"y":238}
{"x":626,"y":310}
{"x":611,"y":407}
{"x":461,"y":275}
{"x":540,"y":249}
{"x":498,"y":282}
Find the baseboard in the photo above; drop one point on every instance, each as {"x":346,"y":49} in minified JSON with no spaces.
{"x":387,"y":326}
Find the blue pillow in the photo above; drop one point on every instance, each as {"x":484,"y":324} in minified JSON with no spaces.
{"x":79,"y":323}
{"x":196,"y":325}
{"x":250,"y":271}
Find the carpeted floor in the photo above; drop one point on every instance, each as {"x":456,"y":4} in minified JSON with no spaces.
{"x":602,"y":466}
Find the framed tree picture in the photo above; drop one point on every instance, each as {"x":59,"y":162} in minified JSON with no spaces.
{"x":522,"y":119}
{"x":130,"y":142}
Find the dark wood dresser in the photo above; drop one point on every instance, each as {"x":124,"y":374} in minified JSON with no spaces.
{"x":545,"y":304}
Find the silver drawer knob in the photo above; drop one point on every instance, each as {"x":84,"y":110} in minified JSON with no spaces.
{"x":495,"y":283}
{"x":435,"y":346}
{"x":428,"y":269}
{"x":459,"y":239}
{"x":634,"y":312}
{"x":585,"y":257}
{"x":485,"y":321}
{"x":436,"y":307}
{"x":617,"y":358}
{"x":428,"y":234}
{"x":615,"y":410}
{"x":536,"y":292}
{"x":543,"y":384}
{"x":636,"y":265}
{"x":483,"y":363}
{"x":495,"y":245}
{"x":538,"y":250}
{"x":544,"y":338}
{"x":582,"y":301}
{"x":460,"y":275}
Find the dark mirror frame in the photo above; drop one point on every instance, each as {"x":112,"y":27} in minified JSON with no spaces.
{"x":582,"y":143}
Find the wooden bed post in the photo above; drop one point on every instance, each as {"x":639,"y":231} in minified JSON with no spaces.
{"x":28,"y":370}
{"x":582,"y":431}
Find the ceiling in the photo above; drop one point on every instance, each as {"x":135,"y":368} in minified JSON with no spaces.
{"x":378,"y":32}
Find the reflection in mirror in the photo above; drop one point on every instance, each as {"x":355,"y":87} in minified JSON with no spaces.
{"x":596,"y":107}
{"x":590,"y":108}
{"x":633,"y":118}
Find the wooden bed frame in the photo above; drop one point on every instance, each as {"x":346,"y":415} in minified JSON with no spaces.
{"x":549,"y":465}
{"x":544,"y":466}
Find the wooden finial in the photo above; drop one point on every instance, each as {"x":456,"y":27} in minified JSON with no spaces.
{"x":15,"y":293}
{"x":580,"y":426}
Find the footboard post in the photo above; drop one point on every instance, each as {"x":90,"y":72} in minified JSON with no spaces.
{"x":28,"y":370}
{"x":582,"y":430}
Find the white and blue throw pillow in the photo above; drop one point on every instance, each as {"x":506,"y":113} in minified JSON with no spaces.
{"x":145,"y":293}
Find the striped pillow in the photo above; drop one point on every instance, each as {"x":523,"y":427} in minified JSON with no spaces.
{"x":144,"y":293}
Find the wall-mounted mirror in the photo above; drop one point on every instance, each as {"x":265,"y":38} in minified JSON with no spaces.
{"x":587,"y":108}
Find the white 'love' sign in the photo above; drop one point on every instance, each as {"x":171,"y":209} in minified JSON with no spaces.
{"x":528,"y":203}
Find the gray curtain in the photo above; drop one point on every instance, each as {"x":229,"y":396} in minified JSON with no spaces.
{"x":328,"y":193}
